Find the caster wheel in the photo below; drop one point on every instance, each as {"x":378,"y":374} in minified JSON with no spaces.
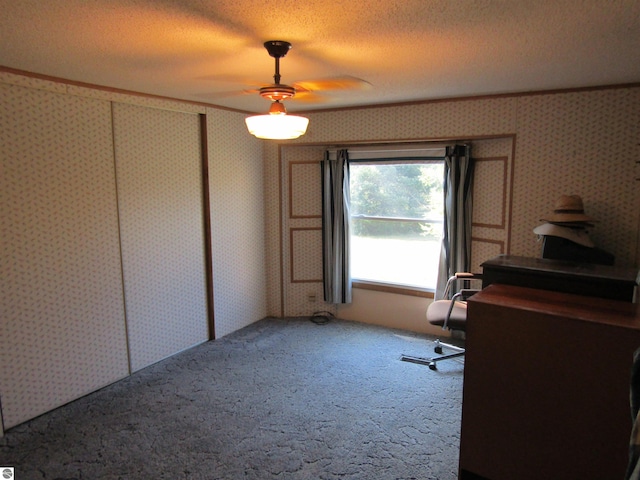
{"x":432,"y":366}
{"x":438,"y":349}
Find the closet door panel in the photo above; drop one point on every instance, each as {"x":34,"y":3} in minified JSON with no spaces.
{"x":159,"y":178}
{"x":62,"y":328}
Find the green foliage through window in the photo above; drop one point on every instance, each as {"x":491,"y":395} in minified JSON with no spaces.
{"x":406,"y":191}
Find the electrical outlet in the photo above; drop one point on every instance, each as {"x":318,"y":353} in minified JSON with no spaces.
{"x":311,"y":297}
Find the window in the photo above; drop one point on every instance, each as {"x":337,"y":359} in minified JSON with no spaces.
{"x":396,"y":219}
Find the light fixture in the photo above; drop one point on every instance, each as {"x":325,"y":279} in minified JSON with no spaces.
{"x":277,"y":124}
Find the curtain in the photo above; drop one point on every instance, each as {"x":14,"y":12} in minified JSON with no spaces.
{"x":335,"y":228}
{"x":455,"y":253}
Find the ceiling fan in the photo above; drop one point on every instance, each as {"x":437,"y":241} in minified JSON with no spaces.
{"x":303,"y":90}
{"x":307,"y":91}
{"x":277,"y":124}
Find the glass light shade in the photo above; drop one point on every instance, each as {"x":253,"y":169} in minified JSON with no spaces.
{"x":277,"y":126}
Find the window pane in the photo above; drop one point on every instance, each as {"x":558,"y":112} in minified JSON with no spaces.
{"x":403,"y":190}
{"x":396,"y":222}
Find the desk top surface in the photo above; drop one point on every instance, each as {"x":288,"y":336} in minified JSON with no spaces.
{"x":589,"y":309}
{"x":560,"y":267}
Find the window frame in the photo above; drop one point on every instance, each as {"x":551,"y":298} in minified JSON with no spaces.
{"x":395,"y":155}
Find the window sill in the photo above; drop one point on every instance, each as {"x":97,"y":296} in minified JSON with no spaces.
{"x":390,"y":288}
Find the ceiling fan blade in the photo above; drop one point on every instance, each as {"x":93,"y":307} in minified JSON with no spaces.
{"x":335,"y":83}
{"x":226,"y":94}
{"x":306,"y":96}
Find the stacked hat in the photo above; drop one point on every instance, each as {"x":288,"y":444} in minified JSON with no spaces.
{"x":568,"y":221}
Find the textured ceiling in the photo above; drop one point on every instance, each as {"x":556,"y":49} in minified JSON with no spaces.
{"x":210,"y":51}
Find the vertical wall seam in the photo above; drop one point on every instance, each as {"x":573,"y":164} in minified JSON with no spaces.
{"x":115,"y":180}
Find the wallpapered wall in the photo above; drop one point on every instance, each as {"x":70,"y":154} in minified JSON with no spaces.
{"x":576,"y":142}
{"x":73,"y":242}
{"x":236,"y":182}
{"x":159,"y":183}
{"x":60,"y":274}
{"x":236,"y":177}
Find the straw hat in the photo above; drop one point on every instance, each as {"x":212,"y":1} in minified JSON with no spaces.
{"x":568,"y":210}
{"x":576,"y":235}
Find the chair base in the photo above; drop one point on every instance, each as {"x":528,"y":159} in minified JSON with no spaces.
{"x":432,"y":362}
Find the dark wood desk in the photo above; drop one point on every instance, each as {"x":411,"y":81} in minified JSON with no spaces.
{"x":604,"y":281}
{"x":546,"y":385}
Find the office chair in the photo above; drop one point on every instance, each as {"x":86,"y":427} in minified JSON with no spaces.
{"x":450,"y":315}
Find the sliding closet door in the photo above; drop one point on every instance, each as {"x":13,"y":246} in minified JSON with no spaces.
{"x":62,"y":328}
{"x":159,"y":179}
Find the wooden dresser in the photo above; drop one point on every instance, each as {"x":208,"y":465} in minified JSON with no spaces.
{"x":605,"y":281}
{"x":546,"y":385}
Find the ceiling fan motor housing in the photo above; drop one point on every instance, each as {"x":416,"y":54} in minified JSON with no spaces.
{"x":277,"y":92}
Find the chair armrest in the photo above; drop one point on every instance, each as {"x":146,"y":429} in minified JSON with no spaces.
{"x":464,"y":275}
{"x":467,"y":275}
